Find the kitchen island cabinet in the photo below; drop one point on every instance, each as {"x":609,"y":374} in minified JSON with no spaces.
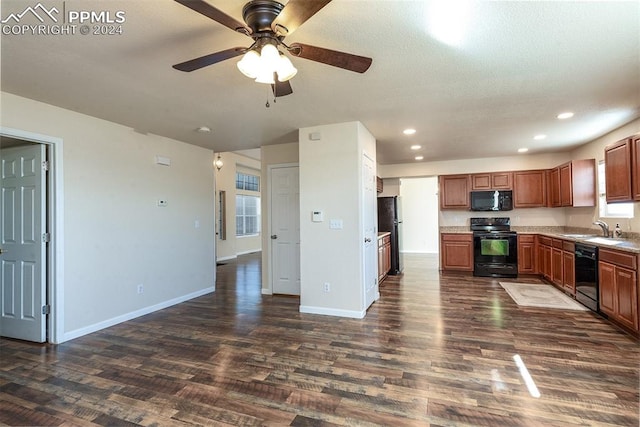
{"x":456,"y":251}
{"x":617,"y":277}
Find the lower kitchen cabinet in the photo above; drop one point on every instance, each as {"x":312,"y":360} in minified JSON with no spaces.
{"x":569,"y":267}
{"x":556,"y":262}
{"x":384,"y":256}
{"x":544,"y":256}
{"x":617,"y":276}
{"x":527,"y":254}
{"x":456,"y":252}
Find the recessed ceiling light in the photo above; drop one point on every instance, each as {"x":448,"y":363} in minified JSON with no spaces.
{"x":539,"y":137}
{"x":416,"y":147}
{"x":566,"y":115}
{"x":419,"y":157}
{"x":203,"y":129}
{"x":409,"y":131}
{"x":523,"y":150}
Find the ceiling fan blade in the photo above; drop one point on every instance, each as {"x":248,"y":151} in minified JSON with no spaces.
{"x":203,"y":61}
{"x":211,"y":12}
{"x":281,"y":88}
{"x":294,"y":14}
{"x":347,"y":61}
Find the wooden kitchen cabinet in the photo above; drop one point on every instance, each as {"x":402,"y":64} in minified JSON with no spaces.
{"x":456,"y":251}
{"x":544,"y":256}
{"x":622,"y":170}
{"x":573,"y":184}
{"x":618,"y":171}
{"x":384,"y":256}
{"x":617,"y":277}
{"x":557,"y":272}
{"x":492,"y":181}
{"x":527,"y":254}
{"x":454,"y":192}
{"x":554,"y":188}
{"x":569,"y":267}
{"x":529,"y":189}
{"x":635,"y":167}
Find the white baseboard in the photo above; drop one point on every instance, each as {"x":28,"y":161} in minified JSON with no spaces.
{"x":132,"y":315}
{"x":266,"y":291}
{"x":250,"y":251}
{"x":332,"y":312}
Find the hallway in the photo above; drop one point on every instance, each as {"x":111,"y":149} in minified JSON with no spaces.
{"x":434,"y":350}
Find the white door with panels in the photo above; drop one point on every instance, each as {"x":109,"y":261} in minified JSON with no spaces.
{"x":285,"y":230}
{"x":369,"y":211}
{"x":23,"y":243}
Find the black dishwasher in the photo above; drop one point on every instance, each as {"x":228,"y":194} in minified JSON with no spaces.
{"x":587,"y":275}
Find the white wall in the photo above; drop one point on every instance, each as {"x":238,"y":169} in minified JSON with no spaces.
{"x":116,"y":236}
{"x":420,"y":206}
{"x":330,"y":181}
{"x":233,"y":246}
{"x":390,"y":187}
{"x":272,"y":155}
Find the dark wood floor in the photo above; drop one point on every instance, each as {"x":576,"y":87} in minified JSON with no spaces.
{"x":432,"y":351}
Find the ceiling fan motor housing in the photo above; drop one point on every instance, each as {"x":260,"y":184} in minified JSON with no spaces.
{"x":259,"y":15}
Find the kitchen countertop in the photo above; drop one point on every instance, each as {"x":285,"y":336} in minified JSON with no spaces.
{"x":381,"y":234}
{"x":630,"y":244}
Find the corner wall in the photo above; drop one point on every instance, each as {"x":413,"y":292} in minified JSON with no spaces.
{"x":116,"y":236}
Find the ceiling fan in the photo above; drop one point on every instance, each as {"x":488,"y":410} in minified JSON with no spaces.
{"x":268,"y":22}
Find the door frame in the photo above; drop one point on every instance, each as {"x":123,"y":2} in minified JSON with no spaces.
{"x":55,"y":218}
{"x":269,"y":267}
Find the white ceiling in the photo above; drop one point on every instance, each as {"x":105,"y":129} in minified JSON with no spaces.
{"x":516,"y":66}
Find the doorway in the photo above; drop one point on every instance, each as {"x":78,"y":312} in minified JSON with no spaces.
{"x":284,"y":184}
{"x":45,"y":295}
{"x":420,"y":215}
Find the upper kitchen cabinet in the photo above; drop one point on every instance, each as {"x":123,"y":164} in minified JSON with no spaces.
{"x":578,"y":183}
{"x":492,"y":181}
{"x":454,"y":192}
{"x":529,"y":189}
{"x":573,"y":184}
{"x":621,"y":164}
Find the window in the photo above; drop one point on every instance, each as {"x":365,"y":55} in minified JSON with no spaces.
{"x":610,"y":210}
{"x":247,"y":182}
{"x":247,"y":215}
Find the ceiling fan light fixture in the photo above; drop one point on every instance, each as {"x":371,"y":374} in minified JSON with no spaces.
{"x":249,"y":65}
{"x":265,"y":75}
{"x":269,"y":57}
{"x":286,"y":70}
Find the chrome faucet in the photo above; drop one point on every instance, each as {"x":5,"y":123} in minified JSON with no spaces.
{"x":604,"y":226}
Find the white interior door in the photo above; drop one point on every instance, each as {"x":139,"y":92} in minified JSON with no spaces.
{"x":285,"y":230}
{"x":22,"y":270}
{"x":369,"y":210}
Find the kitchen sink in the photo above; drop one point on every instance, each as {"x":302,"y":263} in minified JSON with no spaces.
{"x":605,"y":241}
{"x":578,"y":236}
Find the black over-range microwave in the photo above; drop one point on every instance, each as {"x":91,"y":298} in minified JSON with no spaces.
{"x":498,"y":200}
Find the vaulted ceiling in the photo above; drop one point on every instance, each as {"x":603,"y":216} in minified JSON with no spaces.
{"x":479,"y":79}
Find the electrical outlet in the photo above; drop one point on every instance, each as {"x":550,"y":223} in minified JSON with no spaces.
{"x":140,"y":288}
{"x":327,"y":287}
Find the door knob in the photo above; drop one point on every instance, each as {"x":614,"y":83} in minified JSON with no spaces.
{"x":367,"y":240}
{"x":2,"y":251}
{"x":274,"y":236}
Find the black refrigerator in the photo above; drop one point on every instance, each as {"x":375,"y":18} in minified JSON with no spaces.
{"x":390,"y":219}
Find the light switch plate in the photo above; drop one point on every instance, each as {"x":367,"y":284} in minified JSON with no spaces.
{"x":335,"y":224}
